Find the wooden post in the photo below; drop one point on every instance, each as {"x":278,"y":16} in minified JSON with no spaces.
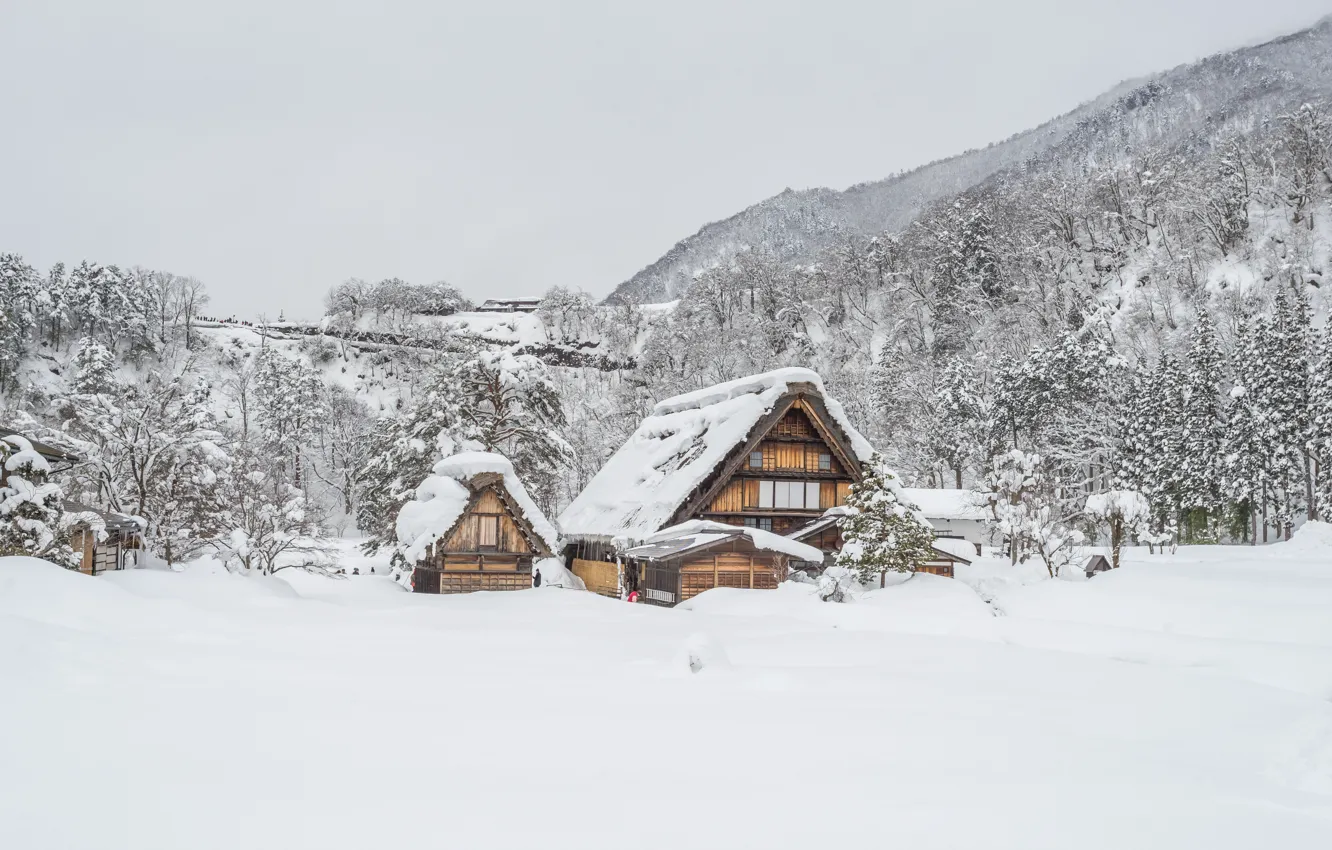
{"x":751,"y":572}
{"x":715,"y":578}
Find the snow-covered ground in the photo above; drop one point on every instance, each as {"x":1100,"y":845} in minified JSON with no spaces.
{"x":1183,"y":701}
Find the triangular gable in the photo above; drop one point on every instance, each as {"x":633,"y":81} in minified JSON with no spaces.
{"x":488,"y":482}
{"x":805,"y":399}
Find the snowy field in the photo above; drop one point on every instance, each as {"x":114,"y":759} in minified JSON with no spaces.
{"x":1181,"y":702}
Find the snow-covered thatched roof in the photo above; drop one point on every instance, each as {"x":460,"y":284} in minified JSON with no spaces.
{"x":948,"y":504}
{"x":700,"y":533}
{"x":686,"y":439}
{"x":443,"y":497}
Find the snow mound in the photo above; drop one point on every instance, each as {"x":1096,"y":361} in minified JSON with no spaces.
{"x":701,"y":652}
{"x":206,"y":580}
{"x":554,"y":574}
{"x":1314,"y":537}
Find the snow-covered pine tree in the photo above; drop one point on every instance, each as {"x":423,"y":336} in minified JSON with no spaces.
{"x":883,"y":532}
{"x":290,"y":404}
{"x":1244,"y":468}
{"x":94,"y":368}
{"x":31,"y":507}
{"x":510,"y":406}
{"x":1202,"y":432}
{"x":1319,"y":438}
{"x":401,"y":452}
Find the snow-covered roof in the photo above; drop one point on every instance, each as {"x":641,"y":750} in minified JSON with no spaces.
{"x":676,"y":448}
{"x":697,"y":533}
{"x":443,"y":496}
{"x":829,"y":517}
{"x":948,"y":504}
{"x":956,"y":547}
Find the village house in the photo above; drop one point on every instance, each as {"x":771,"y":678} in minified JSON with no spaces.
{"x":472,"y":526}
{"x":825,"y":535}
{"x":770,"y":452}
{"x":680,"y":562}
{"x":954,"y":513}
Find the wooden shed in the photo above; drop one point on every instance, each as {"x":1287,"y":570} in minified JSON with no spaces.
{"x":472,"y":527}
{"x":106,"y":540}
{"x":681,"y":562}
{"x":1097,"y":564}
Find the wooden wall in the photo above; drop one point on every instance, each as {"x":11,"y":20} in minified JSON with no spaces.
{"x":601,"y":577}
{"x":467,"y":537}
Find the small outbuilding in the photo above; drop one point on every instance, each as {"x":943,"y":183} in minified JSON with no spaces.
{"x":680,"y":562}
{"x":825,"y":535}
{"x":472,"y":526}
{"x":1097,"y":564}
{"x":954,"y":513}
{"x":105,"y":540}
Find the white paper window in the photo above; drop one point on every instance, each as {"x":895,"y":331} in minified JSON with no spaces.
{"x":811,"y":494}
{"x":765,"y":494}
{"x":781,"y":494}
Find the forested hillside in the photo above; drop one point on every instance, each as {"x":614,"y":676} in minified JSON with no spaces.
{"x":1130,"y":298}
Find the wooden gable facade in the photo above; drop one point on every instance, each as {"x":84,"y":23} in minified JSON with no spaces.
{"x":491,"y":546}
{"x":794,"y":467}
{"x":793,"y":464}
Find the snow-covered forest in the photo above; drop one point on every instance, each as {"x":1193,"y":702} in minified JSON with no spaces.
{"x":1140,"y":307}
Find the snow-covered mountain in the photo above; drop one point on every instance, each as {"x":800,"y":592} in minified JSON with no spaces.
{"x":1229,"y":92}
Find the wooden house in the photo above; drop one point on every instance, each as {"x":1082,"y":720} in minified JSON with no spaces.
{"x":106,"y":540}
{"x":472,"y":526}
{"x":770,"y":452}
{"x":824,"y":535}
{"x":681,"y":562}
{"x":1097,"y":564}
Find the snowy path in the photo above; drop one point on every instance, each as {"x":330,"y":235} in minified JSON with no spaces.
{"x":1175,"y":704}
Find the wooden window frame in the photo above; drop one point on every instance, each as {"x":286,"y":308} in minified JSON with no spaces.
{"x":756,"y":455}
{"x":497,"y":546}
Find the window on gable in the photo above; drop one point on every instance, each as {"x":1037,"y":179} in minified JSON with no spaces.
{"x":487,"y":531}
{"x":756,"y":460}
{"x":825,"y":462}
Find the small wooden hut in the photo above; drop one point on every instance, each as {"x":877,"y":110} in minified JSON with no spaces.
{"x":681,"y":562}
{"x":106,"y":540}
{"x":1097,"y":564}
{"x":472,"y":526}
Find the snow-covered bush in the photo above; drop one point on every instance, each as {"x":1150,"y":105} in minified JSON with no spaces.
{"x":838,"y":584}
{"x":31,"y":508}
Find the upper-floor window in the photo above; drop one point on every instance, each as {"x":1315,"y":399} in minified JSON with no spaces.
{"x":825,"y":462}
{"x":800,"y":495}
{"x":756,"y":460}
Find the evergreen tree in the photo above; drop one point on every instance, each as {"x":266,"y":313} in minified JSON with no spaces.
{"x":1202,"y":431}
{"x":94,"y":368}
{"x":883,"y":532}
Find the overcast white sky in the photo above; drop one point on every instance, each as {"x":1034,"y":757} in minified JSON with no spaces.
{"x":274,"y":148}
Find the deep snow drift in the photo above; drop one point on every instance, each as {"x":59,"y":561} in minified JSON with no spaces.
{"x":1180,"y":702}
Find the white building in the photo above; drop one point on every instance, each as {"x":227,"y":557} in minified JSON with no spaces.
{"x":954,"y":513}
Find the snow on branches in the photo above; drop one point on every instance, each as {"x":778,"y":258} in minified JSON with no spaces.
{"x":882,"y":532}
